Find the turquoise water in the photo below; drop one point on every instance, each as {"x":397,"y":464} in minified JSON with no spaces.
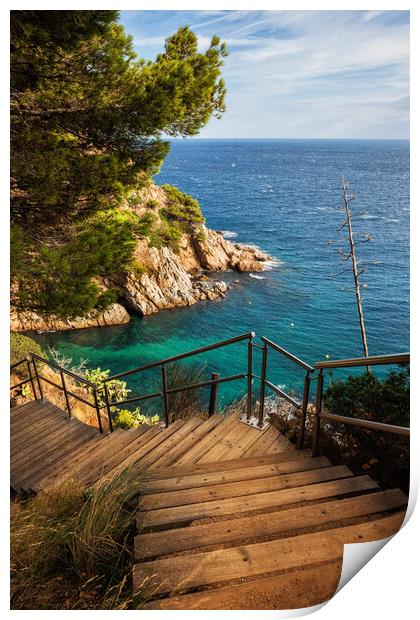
{"x":284,"y":196}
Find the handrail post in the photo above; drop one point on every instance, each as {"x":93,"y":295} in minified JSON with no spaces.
{"x":262,"y":388}
{"x":98,"y":412}
{"x":304,"y":409}
{"x":65,"y":393}
{"x":213,"y":394}
{"x":31,"y":378}
{"x":41,"y":393}
{"x":108,"y":408}
{"x":165,"y":395}
{"x":249,"y":388}
{"x":317,"y":420}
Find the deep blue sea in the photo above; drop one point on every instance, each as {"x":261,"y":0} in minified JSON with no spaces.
{"x":284,"y":196}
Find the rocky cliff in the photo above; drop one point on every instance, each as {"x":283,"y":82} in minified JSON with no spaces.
{"x":169,"y":277}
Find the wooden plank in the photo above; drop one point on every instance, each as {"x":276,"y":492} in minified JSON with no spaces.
{"x":193,"y":481}
{"x":294,"y":590}
{"x":114,"y":459}
{"x":95,"y":464}
{"x":188,"y":442}
{"x":174,"y":440}
{"x":183,"y":515}
{"x":249,"y":439}
{"x":51,"y":476}
{"x":227,"y":442}
{"x":186,"y":572}
{"x":35,"y":429}
{"x":208,"y":442}
{"x":262,"y":445}
{"x":54,"y":441}
{"x":19,"y":416}
{"x":98,"y":466}
{"x":216,"y":492}
{"x":141,"y":447}
{"x":176,"y":470}
{"x":277,"y":523}
{"x":30,"y":470}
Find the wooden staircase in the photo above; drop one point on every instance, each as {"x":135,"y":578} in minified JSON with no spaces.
{"x":229,"y":517}
{"x":47,"y":447}
{"x":254,"y":533}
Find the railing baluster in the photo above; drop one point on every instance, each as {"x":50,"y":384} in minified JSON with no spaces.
{"x":65,"y":393}
{"x":98,"y":411}
{"x":304,"y":409}
{"x":262,"y":388}
{"x":31,"y":377}
{"x":108,"y":408}
{"x":317,"y":419}
{"x":249,"y":382}
{"x":165,"y":395}
{"x":41,"y":393}
{"x":213,"y":394}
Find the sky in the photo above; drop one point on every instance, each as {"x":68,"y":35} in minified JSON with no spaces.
{"x":298,"y":74}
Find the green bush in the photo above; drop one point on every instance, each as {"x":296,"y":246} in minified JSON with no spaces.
{"x":21,"y":346}
{"x":384,"y":456}
{"x":181,"y":207}
{"x":132,"y":419}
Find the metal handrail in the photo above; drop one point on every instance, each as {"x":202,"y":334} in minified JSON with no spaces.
{"x":287,"y":354}
{"x":303,"y":405}
{"x":33,"y":357}
{"x":166,"y":391}
{"x":372,"y":360}
{"x":180,"y":356}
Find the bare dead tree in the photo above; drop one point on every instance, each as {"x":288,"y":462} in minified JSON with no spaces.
{"x":349,"y":254}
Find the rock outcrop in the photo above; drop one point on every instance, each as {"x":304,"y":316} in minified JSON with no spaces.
{"x":167,"y":278}
{"x":115,"y":314}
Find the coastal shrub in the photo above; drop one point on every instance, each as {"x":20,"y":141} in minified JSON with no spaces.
{"x":117,"y":389}
{"x":383,"y":456}
{"x":132,"y":419}
{"x":101,"y":246}
{"x":181,"y":207}
{"x":72,"y":548}
{"x":145,"y":224}
{"x":20,"y":347}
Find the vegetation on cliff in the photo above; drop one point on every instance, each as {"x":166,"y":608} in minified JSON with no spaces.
{"x":87,"y":119}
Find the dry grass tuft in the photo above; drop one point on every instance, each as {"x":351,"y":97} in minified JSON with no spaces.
{"x":72,"y":548}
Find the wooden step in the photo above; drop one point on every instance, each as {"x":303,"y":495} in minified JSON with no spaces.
{"x":19,"y":416}
{"x":53,"y":475}
{"x":270,"y":442}
{"x":207,"y":442}
{"x":255,"y":527}
{"x":229,"y":441}
{"x":95,"y":462}
{"x":54,"y":441}
{"x":183,"y":515}
{"x":187,"y":572}
{"x":200,"y":480}
{"x":47,"y":420}
{"x":185,"y":444}
{"x":224,"y":490}
{"x":204,"y":468}
{"x":22,"y":477}
{"x":296,"y":589}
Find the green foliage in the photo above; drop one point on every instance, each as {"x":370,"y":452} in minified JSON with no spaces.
{"x":71,"y":548}
{"x":87,"y":118}
{"x":21,"y":346}
{"x":57,"y":278}
{"x":383,"y":456}
{"x":132,"y":419}
{"x":117,"y":389}
{"x":181,"y":207}
{"x":146,"y":224}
